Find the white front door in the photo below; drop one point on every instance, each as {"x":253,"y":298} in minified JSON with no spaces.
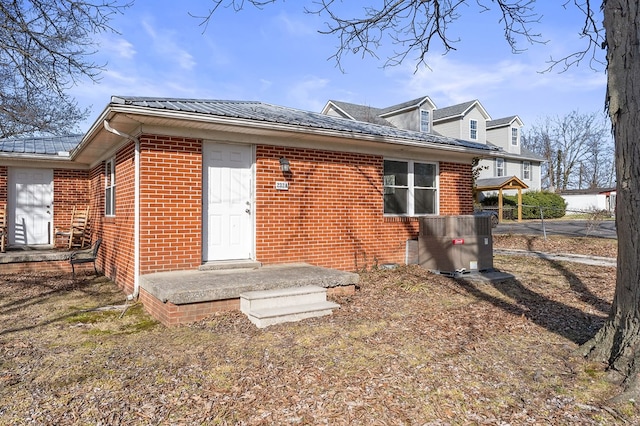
{"x":228,"y":215}
{"x":31,"y":206}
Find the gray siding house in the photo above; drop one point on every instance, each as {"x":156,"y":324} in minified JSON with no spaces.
{"x":467,"y":121}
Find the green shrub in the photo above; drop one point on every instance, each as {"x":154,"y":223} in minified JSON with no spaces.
{"x":552,"y":204}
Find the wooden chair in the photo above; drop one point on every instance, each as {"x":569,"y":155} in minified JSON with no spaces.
{"x":79,"y":233}
{"x":3,"y":228}
{"x":85,"y":256}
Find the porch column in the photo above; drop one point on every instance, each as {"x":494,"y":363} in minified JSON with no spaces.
{"x":519,"y":204}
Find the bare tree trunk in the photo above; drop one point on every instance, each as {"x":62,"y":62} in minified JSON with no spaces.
{"x":618,"y":342}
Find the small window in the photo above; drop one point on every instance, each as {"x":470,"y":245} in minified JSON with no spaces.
{"x":410,"y":188}
{"x":500,"y":167}
{"x":110,"y":188}
{"x":526,"y":170}
{"x":424,"y":120}
{"x":473,"y":129}
{"x":514,"y":136}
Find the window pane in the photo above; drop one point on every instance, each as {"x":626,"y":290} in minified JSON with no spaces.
{"x":424,"y":175}
{"x":425,"y":201}
{"x":395,"y":173}
{"x":395,"y":200}
{"x":108,"y":202}
{"x":424,"y":120}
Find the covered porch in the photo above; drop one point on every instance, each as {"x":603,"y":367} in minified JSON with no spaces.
{"x":500,"y":184}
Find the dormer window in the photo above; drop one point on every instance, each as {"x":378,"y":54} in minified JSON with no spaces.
{"x":473,"y":130}
{"x":514,"y":136}
{"x":424,"y":120}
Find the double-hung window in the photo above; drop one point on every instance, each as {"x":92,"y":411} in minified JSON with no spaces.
{"x":424,"y":120}
{"x":514,"y":136}
{"x":473,"y":130}
{"x":110,"y":187}
{"x":410,"y":188}
{"x":526,"y":170}
{"x":500,"y":167}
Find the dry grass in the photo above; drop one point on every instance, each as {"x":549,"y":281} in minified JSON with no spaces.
{"x":409,"y":348}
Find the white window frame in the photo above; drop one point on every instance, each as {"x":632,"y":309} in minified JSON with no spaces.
{"x":526,"y":170}
{"x":110,"y":187}
{"x":473,"y":130}
{"x":500,"y":167}
{"x":411,"y":188}
{"x":425,"y":121}
{"x":515,"y":136}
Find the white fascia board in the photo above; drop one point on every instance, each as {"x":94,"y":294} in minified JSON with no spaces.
{"x":330,"y":103}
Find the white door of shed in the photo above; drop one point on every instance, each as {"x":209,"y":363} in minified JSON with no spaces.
{"x":228,"y":206}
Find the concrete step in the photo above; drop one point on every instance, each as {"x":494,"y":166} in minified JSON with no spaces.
{"x":266,"y":317}
{"x":229,"y":264}
{"x":268,"y":307}
{"x":281,"y":297}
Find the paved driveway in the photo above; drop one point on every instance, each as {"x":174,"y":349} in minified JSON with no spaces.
{"x":576,"y":228}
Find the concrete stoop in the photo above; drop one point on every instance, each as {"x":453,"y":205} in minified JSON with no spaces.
{"x":269,"y":307}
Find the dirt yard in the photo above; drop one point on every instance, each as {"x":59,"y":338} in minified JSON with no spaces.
{"x":408,"y":348}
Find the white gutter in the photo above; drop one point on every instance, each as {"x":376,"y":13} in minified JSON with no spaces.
{"x":136,"y":209}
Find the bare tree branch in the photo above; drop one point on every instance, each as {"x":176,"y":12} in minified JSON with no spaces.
{"x":45,"y":48}
{"x":592,"y":32}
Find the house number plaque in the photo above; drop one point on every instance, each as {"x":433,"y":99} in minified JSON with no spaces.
{"x":282,"y":186}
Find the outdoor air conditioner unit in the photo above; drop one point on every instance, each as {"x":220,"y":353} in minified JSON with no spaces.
{"x":455,"y":245}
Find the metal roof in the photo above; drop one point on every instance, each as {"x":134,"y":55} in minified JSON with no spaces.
{"x":264,"y":112}
{"x":43,"y":145}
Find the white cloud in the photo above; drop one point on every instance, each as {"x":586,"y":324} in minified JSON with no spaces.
{"x":117,"y":46}
{"x":294,"y":26}
{"x":165,"y":44}
{"x":308,"y":93}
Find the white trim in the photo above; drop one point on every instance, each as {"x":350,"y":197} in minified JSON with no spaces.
{"x":411,"y":187}
{"x":471,"y":129}
{"x":110,"y":184}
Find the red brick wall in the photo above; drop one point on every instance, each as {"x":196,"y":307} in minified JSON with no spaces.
{"x":170,"y":314}
{"x":116,"y":252}
{"x":332,"y":213}
{"x":456,"y":195}
{"x":70,"y":188}
{"x":170,"y":203}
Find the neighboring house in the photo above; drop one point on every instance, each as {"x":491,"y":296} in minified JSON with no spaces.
{"x":466,"y":121}
{"x":174,"y":184}
{"x":590,"y":200}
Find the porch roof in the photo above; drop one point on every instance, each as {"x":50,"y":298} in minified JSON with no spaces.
{"x":498,"y":183}
{"x":42,"y":145}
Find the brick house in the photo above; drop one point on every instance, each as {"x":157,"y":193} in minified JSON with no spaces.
{"x":174,"y":184}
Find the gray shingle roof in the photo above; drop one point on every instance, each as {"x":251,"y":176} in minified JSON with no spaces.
{"x":452,"y":111}
{"x":499,"y":122}
{"x":362,"y":112}
{"x":530,"y":154}
{"x":407,"y":104}
{"x":44,"y":145}
{"x":263,"y":112}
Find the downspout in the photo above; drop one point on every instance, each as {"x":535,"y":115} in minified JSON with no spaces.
{"x":136,"y":208}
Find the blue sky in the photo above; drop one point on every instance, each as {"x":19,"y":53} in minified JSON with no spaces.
{"x":276,"y":55}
